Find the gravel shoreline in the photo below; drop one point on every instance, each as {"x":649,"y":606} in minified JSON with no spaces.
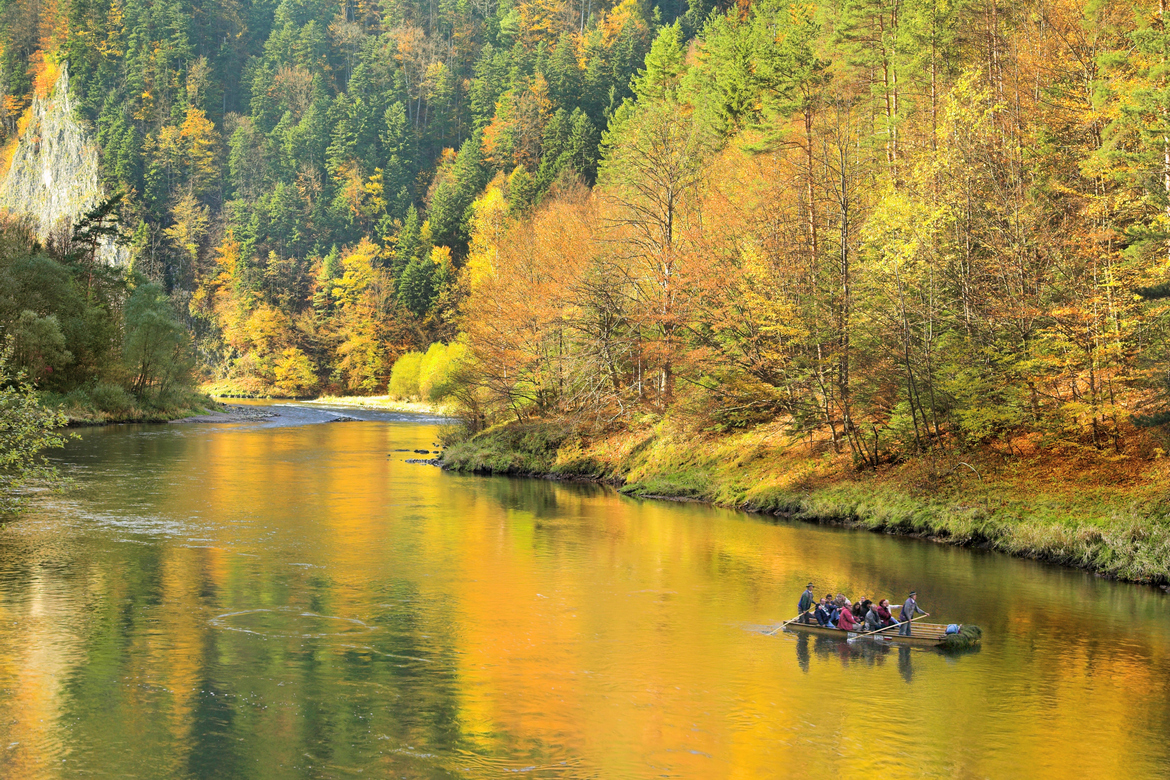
{"x":229,"y":414}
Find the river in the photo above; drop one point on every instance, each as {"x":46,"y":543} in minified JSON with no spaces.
{"x":292,"y":599}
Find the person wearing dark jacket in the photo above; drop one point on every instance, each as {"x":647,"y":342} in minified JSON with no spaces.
{"x":872,"y":621}
{"x":805,"y":604}
{"x":883,"y":610}
{"x":823,"y":613}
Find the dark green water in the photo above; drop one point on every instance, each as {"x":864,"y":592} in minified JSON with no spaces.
{"x":291,"y":599}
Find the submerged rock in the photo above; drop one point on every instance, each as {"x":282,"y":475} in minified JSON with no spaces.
{"x":344,"y":418}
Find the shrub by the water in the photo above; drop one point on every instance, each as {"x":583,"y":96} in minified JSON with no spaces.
{"x":404,"y":376}
{"x":438,"y":369}
{"x":110,"y":398}
{"x":26,"y":428}
{"x":529,"y":449}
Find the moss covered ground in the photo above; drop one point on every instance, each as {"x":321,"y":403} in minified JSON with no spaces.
{"x":1103,"y":513}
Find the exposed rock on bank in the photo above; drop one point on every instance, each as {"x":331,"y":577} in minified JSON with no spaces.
{"x":230,"y":414}
{"x":54,"y":177}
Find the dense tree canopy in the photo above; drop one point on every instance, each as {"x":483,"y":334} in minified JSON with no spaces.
{"x":894,"y":224}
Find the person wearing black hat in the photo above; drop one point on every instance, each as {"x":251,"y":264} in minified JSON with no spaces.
{"x":805,"y":604}
{"x":908,"y":611}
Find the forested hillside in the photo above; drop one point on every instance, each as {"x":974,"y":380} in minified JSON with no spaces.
{"x":892,"y":226}
{"x":889,"y":223}
{"x":298,"y":174}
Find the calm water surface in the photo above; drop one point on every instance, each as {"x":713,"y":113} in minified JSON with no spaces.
{"x":290,"y":599}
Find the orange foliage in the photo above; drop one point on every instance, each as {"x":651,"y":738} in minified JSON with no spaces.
{"x":217,"y":284}
{"x":541,"y":21}
{"x":530,"y":305}
{"x":7,"y":153}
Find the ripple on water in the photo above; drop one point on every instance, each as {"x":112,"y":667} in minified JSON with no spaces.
{"x":290,"y":622}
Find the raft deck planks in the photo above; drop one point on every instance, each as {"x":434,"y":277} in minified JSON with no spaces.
{"x":922,"y":634}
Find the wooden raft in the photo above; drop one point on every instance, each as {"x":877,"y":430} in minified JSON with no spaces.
{"x":921,"y":634}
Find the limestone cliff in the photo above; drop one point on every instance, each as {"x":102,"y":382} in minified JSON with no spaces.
{"x":54,"y":175}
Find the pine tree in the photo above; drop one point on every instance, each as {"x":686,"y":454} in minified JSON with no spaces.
{"x":454,"y":193}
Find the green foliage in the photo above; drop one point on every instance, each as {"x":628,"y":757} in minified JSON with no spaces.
{"x":416,"y":288}
{"x":404,"y":376}
{"x":156,"y":351}
{"x":968,"y":636}
{"x":110,"y":399}
{"x":453,"y":195}
{"x":26,"y":429}
{"x":294,"y":130}
{"x":528,"y":449}
{"x":760,"y":69}
{"x":41,"y":344}
{"x":439,"y":370}
{"x":660,"y":79}
{"x":75,"y":323}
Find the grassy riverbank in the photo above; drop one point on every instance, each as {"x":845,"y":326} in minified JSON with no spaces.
{"x":1107,"y":514}
{"x":103,"y":404}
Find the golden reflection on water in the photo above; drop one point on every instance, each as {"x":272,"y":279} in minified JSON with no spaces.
{"x":278,"y":602}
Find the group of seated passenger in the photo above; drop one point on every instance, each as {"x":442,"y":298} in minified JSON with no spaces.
{"x":861,"y":615}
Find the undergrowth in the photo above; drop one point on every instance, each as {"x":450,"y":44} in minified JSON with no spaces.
{"x":101,"y":403}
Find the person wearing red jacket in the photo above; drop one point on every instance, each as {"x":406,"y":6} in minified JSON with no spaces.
{"x":846,"y":621}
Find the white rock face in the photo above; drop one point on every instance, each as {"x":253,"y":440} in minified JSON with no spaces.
{"x":54,"y":175}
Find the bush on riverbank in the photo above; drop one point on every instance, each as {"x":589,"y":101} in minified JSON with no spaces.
{"x":430,"y":376}
{"x":404,"y":376}
{"x":385,"y":403}
{"x":101,"y":403}
{"x":27,"y":427}
{"x":1117,"y":525}
{"x":528,"y":449}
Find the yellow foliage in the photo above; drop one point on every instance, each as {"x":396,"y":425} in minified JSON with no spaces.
{"x":294,"y":374}
{"x":359,"y":274}
{"x":404,"y":376}
{"x":200,"y":147}
{"x":624,"y":13}
{"x":438,"y":368}
{"x":7,"y":153}
{"x":219,"y":282}
{"x":375,"y":188}
{"x":541,"y":21}
{"x":45,"y":72}
{"x":268,"y":329}
{"x":441,"y":255}
{"x":362,"y":360}
{"x":351,"y":188}
{"x":114,"y":23}
{"x":191,"y":221}
{"x":488,"y":225}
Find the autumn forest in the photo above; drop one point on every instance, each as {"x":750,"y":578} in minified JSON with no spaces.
{"x":893,"y":225}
